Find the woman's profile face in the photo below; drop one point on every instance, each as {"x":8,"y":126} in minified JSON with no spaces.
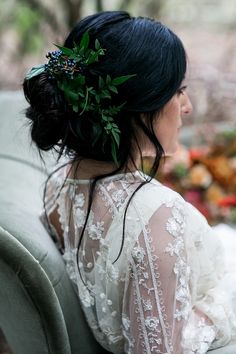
{"x":169,"y":120}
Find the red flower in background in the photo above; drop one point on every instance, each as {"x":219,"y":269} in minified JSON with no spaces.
{"x":228,"y":201}
{"x":197,"y":154}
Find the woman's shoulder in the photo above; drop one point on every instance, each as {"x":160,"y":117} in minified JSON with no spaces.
{"x":157,"y":193}
{"x":154,"y":195}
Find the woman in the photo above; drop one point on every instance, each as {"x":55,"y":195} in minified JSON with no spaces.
{"x":147,"y":269}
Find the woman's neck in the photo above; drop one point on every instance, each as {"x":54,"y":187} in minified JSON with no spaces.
{"x":88,"y":168}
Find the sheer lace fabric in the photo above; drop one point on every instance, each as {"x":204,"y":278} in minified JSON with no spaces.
{"x":163,"y":294}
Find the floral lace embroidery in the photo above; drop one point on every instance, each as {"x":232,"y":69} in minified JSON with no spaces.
{"x":129,"y":345}
{"x":176,"y":227}
{"x":147,"y":305}
{"x":95,"y":230}
{"x":70,"y":264}
{"x":103,"y":192}
{"x":156,"y":329}
{"x":114,"y":198}
{"x":79,"y":217}
{"x":155,"y":332}
{"x":119,"y":198}
{"x":150,"y":332}
{"x":198,"y":337}
{"x":79,"y":200}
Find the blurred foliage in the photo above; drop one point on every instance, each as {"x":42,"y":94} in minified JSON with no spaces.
{"x":26,"y":22}
{"x":28,"y":29}
{"x":31,"y":18}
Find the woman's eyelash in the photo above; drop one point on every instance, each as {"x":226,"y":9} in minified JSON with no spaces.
{"x":181,"y":89}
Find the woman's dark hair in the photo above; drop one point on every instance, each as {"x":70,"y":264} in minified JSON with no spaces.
{"x":139,"y":46}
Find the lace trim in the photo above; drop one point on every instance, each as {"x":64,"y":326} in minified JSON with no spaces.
{"x":150,"y":334}
{"x":155,"y":331}
{"x":102,"y":191}
{"x":115,"y":199}
{"x":198,"y":336}
{"x":176,"y":227}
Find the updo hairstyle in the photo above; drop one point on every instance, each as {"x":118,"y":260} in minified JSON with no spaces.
{"x":139,"y":46}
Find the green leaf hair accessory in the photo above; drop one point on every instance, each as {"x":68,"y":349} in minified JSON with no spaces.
{"x":69,"y":68}
{"x":35,"y":71}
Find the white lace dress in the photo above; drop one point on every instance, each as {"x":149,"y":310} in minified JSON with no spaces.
{"x":164,"y":294}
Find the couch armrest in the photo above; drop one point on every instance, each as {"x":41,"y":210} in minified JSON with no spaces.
{"x":41,"y":296}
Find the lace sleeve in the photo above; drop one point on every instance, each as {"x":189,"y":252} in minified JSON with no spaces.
{"x":157,"y":302}
{"x":49,"y":215}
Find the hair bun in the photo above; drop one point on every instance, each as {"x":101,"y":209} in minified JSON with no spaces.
{"x":47,"y":111}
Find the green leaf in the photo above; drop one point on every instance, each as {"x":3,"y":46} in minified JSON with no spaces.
{"x":113,"y":89}
{"x":120,"y":106}
{"x":79,"y":54}
{"x":97,"y":44}
{"x":76,"y":57}
{"x":97,"y":98}
{"x":108,"y":126}
{"x":66,"y":51}
{"x":71,"y":95}
{"x":85,"y":103}
{"x":121,"y":79}
{"x":108,"y":80}
{"x":35,"y":71}
{"x":75,"y":108}
{"x":101,"y":51}
{"x":85,"y":40}
{"x":116,"y":136}
{"x":105,"y":118}
{"x":80,"y":80}
{"x":105,"y":94}
{"x":92,"y":58}
{"x":101,"y":82}
{"x":81,"y":94}
{"x":116,"y":129}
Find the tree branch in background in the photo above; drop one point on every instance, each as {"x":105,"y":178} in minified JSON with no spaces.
{"x":154,"y":8}
{"x":124,"y":4}
{"x":73,"y":9}
{"x":99,"y":6}
{"x":47,"y":14}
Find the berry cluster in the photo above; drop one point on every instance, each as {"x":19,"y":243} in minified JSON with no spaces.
{"x":69,"y":68}
{"x":60,"y":64}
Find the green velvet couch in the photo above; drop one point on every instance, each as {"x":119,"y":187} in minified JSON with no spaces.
{"x":39,"y":308}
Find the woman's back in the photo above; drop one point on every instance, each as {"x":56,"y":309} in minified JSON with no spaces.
{"x":144,"y":298}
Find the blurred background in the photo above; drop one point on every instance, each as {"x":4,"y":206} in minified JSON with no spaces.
{"x":28,"y":29}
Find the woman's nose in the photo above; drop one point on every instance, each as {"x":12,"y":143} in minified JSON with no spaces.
{"x":186,"y":107}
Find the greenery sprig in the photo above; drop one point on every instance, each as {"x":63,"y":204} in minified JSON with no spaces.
{"x":69,"y":67}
